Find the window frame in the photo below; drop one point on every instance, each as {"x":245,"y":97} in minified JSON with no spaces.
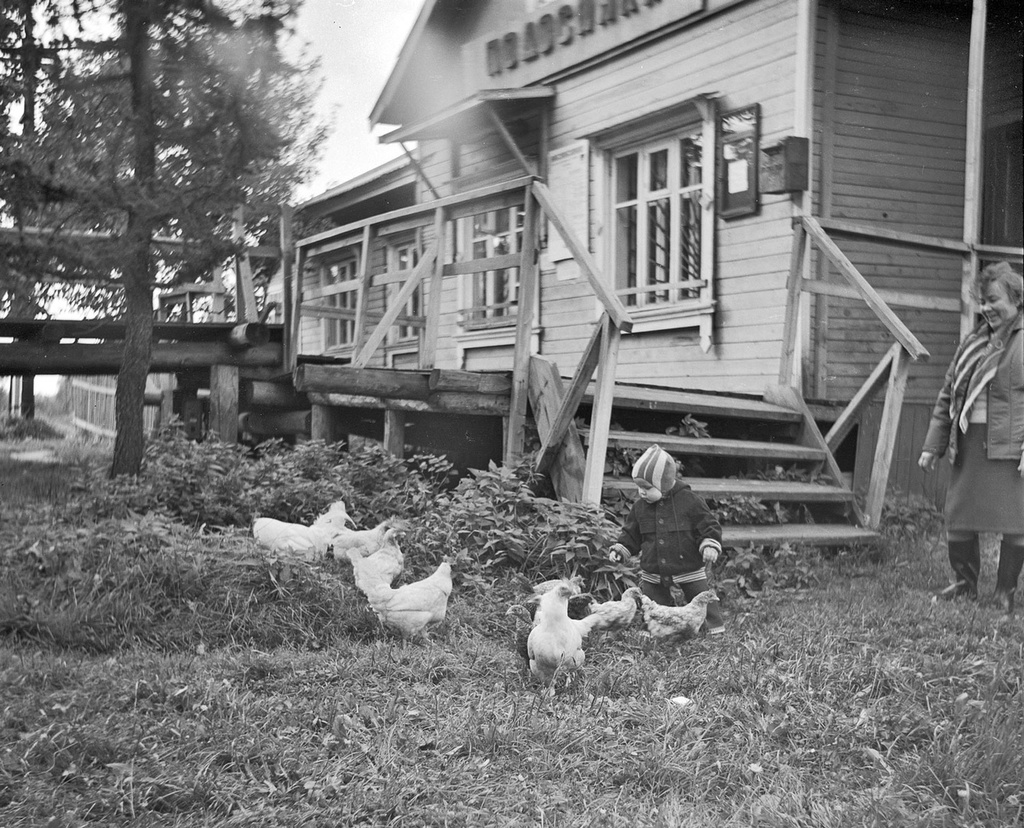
{"x":666,"y":128}
{"x":484,"y":284}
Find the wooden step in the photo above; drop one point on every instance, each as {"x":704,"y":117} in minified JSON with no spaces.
{"x":767,"y":490}
{"x":713,"y":446}
{"x":699,"y":404}
{"x":811,"y":534}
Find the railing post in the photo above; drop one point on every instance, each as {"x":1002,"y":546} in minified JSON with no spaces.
{"x":428,"y":351}
{"x":886,"y":442}
{"x":524,"y":328}
{"x":364,"y":289}
{"x":295,"y":330}
{"x":790,"y":327}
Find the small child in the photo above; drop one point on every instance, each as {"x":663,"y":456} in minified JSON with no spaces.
{"x":675,"y":533}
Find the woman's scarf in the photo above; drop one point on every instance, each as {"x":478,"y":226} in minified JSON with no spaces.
{"x":974,"y":369}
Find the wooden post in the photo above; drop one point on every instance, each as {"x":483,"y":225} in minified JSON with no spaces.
{"x":524,"y":328}
{"x":600,"y":419}
{"x":428,"y":352}
{"x":287,"y":274}
{"x":394,"y":432}
{"x":224,"y":402}
{"x":887,"y":431}
{"x":325,"y":424}
{"x":973,"y":161}
{"x":28,"y":396}
{"x":295,"y":331}
{"x":245,"y":293}
{"x":791,"y":325}
{"x":364,"y":288}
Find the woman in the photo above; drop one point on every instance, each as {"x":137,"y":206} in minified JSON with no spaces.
{"x":978,"y":421}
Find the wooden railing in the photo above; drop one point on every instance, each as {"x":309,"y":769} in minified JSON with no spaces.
{"x":894,"y":366}
{"x":537,"y":200}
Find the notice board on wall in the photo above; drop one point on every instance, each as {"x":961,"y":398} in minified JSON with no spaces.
{"x":569,"y":182}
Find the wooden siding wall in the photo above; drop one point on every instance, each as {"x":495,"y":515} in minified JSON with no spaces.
{"x":891,"y":97}
{"x":744,"y":55}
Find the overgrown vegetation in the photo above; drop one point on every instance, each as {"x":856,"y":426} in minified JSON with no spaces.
{"x":159,"y":670}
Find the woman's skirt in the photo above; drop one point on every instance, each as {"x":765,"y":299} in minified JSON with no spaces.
{"x":984,"y":495}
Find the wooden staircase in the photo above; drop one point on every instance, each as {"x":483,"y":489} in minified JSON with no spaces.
{"x":758,"y":435}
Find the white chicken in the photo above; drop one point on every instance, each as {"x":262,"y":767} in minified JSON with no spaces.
{"x":364,"y":542}
{"x":412,"y":607}
{"x":378,"y":568}
{"x":308,"y":542}
{"x":555,"y":643}
{"x":675,"y":623}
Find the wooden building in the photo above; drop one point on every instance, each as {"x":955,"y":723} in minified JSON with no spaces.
{"x":780,"y":201}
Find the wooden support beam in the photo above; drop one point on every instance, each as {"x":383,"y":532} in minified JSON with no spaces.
{"x":262,"y":394}
{"x":419,"y":170}
{"x":106,"y":357}
{"x":375,"y":382}
{"x":428,"y":347}
{"x":287,"y":275}
{"x":567,"y":463}
{"x":600,"y":419}
{"x":899,"y":238}
{"x":276,"y":423}
{"x":396,"y":309}
{"x":588,"y":267}
{"x":474,"y":382}
{"x":562,"y":421}
{"x":846,"y":420}
{"x":325,"y":424}
{"x":510,"y":142}
{"x":443,"y":402}
{"x":895,"y":325}
{"x":394,"y":432}
{"x":790,"y":326}
{"x":245,"y":292}
{"x":973,"y":169}
{"x":527,"y":298}
{"x":886,"y":443}
{"x":897,"y":298}
{"x":294,"y":333}
{"x":224,"y":402}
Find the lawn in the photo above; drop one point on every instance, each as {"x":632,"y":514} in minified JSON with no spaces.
{"x":248,"y":693}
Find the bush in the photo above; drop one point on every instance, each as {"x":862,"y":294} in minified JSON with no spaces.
{"x":17,"y":429}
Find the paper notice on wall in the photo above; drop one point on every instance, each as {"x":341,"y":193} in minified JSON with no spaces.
{"x":569,"y":182}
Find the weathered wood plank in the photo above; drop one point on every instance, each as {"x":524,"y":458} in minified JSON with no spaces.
{"x":691,"y":402}
{"x":714,"y":446}
{"x":601,"y":412}
{"x":848,"y":418}
{"x":105,"y":357}
{"x":224,"y":402}
{"x":790,"y":327}
{"x":475,"y":382}
{"x":567,"y":461}
{"x":275,"y":423}
{"x":394,"y":432}
{"x":442,"y":402}
{"x":375,"y":382}
{"x":898,"y":298}
{"x":875,"y":498}
{"x":767,"y":490}
{"x":814,"y":534}
{"x":528,"y":287}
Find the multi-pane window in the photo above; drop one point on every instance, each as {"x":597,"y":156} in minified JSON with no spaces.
{"x":656,"y":190}
{"x":340,"y":278}
{"x":405,"y":257}
{"x":492,"y":295}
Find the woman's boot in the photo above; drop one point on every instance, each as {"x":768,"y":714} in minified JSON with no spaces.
{"x":1011,"y":560}
{"x":965,"y":558}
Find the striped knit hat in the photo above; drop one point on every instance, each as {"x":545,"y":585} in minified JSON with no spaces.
{"x":657,"y":467}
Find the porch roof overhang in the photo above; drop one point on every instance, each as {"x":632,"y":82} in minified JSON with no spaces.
{"x":470,"y":114}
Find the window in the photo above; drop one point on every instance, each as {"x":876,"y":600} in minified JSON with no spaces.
{"x":490,"y":297}
{"x":339,"y":284}
{"x":404,"y":257}
{"x":657,"y":193}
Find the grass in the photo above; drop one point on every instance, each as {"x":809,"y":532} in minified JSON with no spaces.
{"x":156,"y":674}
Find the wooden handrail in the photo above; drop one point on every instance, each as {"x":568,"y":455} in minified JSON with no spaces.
{"x":425,"y":210}
{"x":845,"y":421}
{"x":612,"y":304}
{"x":870,"y":296}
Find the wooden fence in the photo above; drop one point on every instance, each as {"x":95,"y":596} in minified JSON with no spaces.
{"x":92,"y":406}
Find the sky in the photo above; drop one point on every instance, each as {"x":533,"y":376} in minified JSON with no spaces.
{"x":357,"y":42}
